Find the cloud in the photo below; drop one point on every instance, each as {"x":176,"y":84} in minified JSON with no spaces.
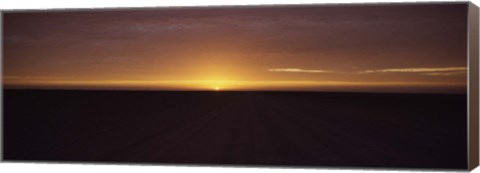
{"x":297,"y":70}
{"x":425,"y":70}
{"x":445,"y":73}
{"x":13,"y":78}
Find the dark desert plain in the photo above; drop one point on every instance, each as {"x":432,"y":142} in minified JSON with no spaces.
{"x":324,"y":129}
{"x":377,"y":85}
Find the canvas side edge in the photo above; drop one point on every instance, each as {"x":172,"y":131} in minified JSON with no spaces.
{"x":473,"y":57}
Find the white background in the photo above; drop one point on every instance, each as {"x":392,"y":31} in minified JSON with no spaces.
{"x":69,"y":167}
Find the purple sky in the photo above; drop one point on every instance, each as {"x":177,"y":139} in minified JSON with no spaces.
{"x":416,"y":48}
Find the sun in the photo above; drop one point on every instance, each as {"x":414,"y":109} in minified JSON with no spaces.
{"x":216,"y":88}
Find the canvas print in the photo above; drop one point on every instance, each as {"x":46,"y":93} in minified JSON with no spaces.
{"x":372,"y":85}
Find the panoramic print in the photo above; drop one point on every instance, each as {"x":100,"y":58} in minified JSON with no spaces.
{"x":376,"y":85}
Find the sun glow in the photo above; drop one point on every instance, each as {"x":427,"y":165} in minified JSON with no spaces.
{"x":216,"y":88}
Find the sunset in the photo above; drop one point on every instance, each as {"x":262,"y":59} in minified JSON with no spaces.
{"x":393,"y":48}
{"x":353,"y":85}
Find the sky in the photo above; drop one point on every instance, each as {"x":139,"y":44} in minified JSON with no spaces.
{"x":372,"y":48}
